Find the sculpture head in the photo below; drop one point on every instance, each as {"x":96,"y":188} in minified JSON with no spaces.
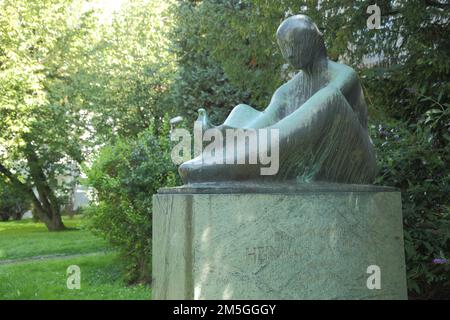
{"x":300,"y":41}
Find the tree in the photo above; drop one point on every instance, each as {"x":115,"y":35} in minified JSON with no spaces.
{"x":40,"y":115}
{"x":132,"y":67}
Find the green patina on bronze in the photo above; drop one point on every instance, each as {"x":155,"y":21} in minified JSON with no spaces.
{"x":320,"y":113}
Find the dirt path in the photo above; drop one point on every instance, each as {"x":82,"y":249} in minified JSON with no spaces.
{"x":52,"y":257}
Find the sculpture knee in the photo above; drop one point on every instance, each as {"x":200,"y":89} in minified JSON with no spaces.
{"x":241,"y":115}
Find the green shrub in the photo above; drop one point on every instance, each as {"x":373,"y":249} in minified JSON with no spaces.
{"x":412,"y":158}
{"x":125,"y":176}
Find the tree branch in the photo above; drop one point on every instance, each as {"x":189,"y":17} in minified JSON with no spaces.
{"x":7,"y":173}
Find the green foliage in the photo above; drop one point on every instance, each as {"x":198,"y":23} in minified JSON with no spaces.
{"x":125,"y":176}
{"x":240,"y":41}
{"x":13,"y":202}
{"x":37,"y":108}
{"x":199,"y":80}
{"x":129,"y":70}
{"x":410,"y":160}
{"x":41,"y":50}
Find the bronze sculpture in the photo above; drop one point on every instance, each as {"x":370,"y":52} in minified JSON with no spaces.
{"x":320,"y":116}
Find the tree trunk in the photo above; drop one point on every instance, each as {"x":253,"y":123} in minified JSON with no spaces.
{"x":51,"y":219}
{"x":56,"y":224}
{"x":49,"y":205}
{"x":46,"y":204}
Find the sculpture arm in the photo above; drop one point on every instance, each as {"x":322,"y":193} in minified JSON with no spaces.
{"x":271,"y":114}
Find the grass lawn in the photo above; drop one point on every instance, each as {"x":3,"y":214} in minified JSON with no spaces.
{"x":33,"y":264}
{"x":25,"y":238}
{"x":100,"y":279}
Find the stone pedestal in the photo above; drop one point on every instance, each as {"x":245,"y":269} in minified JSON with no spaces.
{"x":278,"y":242}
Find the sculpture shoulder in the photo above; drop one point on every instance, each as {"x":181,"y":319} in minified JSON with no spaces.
{"x":282,"y":92}
{"x":343,"y":78}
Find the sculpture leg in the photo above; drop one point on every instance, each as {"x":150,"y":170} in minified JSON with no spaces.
{"x":324,"y":140}
{"x":240,"y":116}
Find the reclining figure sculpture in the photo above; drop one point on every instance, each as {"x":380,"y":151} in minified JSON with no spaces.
{"x":320,"y":114}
